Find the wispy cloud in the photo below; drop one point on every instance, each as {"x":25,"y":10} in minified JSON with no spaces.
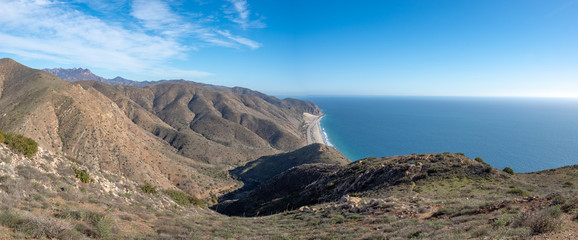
{"x":242,"y":15}
{"x":158,"y":16}
{"x":242,"y":11}
{"x":241,"y":40}
{"x":65,"y":32}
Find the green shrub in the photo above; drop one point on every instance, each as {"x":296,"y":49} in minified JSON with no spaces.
{"x":93,"y":224}
{"x":33,"y":226}
{"x":148,"y":188}
{"x":479,"y":159}
{"x":554,"y":211}
{"x":184,"y":199}
{"x":10,"y":218}
{"x":541,"y":222}
{"x":82,"y":175}
{"x":568,"y":184}
{"x":501,"y":222}
{"x":20,"y":144}
{"x":105,"y":227}
{"x":508,"y":171}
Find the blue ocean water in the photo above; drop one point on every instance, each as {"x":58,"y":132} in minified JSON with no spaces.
{"x":526,"y":134}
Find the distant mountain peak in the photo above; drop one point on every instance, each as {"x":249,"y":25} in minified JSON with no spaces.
{"x":75,"y":74}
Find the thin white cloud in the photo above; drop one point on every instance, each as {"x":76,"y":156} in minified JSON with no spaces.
{"x":241,"y":40}
{"x":61,"y":32}
{"x":242,"y":14}
{"x":157,"y":15}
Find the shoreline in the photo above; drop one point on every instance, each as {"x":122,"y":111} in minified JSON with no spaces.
{"x":314,"y":131}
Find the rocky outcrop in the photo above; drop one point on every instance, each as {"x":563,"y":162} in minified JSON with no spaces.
{"x":313,"y":184}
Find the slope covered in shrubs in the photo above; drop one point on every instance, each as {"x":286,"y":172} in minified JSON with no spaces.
{"x":19,"y":143}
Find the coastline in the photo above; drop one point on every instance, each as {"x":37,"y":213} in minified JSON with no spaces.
{"x":314,"y":131}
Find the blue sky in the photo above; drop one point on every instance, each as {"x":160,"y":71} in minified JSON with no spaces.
{"x":298,"y":47}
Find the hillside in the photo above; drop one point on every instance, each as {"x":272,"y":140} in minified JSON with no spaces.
{"x":45,"y":197}
{"x":170,"y":134}
{"x":212,"y":126}
{"x":86,"y":125}
{"x":266,"y":167}
{"x":439,"y":196}
{"x":80,"y":74}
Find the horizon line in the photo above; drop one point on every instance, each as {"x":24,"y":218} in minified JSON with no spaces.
{"x":433,"y":96}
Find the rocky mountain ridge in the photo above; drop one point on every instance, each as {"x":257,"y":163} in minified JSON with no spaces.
{"x":80,"y":74}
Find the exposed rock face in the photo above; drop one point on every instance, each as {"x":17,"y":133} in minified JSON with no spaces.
{"x":75,"y":74}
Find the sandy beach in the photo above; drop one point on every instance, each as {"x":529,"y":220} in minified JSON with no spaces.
{"x":314,"y":134}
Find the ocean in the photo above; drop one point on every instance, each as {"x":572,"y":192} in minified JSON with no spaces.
{"x":526,"y":134}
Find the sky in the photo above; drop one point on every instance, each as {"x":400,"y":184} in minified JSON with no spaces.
{"x":525,"y":48}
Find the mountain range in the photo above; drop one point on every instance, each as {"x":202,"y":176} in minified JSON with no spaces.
{"x":119,"y":159}
{"x":169,"y":134}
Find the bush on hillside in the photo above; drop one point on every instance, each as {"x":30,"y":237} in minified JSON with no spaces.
{"x":480,"y":160}
{"x":509,"y":170}
{"x":34,"y":226}
{"x":517,"y":191}
{"x":148,"y":188}
{"x":82,"y":175}
{"x":540,"y":222}
{"x":183,"y":198}
{"x":19,"y":143}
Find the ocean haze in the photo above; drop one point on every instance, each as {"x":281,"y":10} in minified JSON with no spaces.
{"x":526,"y":134}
